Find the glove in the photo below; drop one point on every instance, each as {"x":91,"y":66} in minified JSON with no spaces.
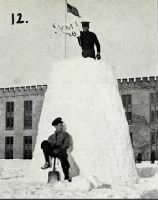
{"x":78,"y":33}
{"x":98,"y":57}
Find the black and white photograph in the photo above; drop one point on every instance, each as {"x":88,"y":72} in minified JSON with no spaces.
{"x":79,"y":99}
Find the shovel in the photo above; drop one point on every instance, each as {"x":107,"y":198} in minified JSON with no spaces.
{"x":54,"y":176}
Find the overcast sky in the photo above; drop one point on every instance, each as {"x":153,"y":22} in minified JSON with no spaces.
{"x":127,"y":31}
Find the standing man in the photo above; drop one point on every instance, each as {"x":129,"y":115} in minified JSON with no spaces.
{"x":87,"y":40}
{"x":56,"y":146}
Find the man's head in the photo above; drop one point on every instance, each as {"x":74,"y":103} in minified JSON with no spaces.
{"x":85,"y":26}
{"x":58,"y":124}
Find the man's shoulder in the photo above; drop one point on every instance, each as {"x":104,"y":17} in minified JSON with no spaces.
{"x":66,"y":133}
{"x":52,"y":135}
{"x":92,"y":33}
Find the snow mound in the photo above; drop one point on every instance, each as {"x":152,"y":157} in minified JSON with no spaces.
{"x":84,"y":92}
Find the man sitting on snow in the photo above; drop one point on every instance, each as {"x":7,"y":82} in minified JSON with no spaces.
{"x":56,"y":146}
{"x":87,"y":40}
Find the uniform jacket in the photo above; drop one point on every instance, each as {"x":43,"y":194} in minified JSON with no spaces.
{"x":64,"y":140}
{"x":87,"y":40}
{"x":60,"y":140}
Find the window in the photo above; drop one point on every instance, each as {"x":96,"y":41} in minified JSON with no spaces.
{"x":127,"y":100}
{"x":154,"y":107}
{"x":27,"y":114}
{"x":27,"y":147}
{"x":131,"y":136}
{"x":153,"y":137}
{"x":9,"y":147}
{"x":9,"y":115}
{"x":152,"y":98}
{"x":127,"y":104}
{"x":152,"y":116}
{"x":129,"y":116}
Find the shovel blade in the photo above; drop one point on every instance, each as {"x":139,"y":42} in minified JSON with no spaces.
{"x":53,"y":177}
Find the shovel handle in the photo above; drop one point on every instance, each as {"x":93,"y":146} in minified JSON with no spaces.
{"x":54,"y":163}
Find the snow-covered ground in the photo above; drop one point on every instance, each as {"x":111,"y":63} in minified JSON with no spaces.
{"x":14,"y":185}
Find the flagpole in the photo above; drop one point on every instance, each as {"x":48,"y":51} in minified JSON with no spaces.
{"x":65,"y":52}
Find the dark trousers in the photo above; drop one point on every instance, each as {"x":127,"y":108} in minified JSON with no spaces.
{"x":48,"y":150}
{"x":88,"y":53}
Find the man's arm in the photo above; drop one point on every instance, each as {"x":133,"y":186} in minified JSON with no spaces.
{"x":79,"y":39}
{"x":51,"y":140}
{"x":96,"y":41}
{"x":66,"y":142}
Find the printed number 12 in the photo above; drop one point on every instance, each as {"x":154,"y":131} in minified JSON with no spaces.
{"x":18,"y":21}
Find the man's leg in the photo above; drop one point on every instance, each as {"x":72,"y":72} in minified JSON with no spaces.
{"x":47,"y":152}
{"x":65,"y":164}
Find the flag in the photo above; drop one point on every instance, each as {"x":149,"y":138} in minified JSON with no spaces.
{"x":72,"y":10}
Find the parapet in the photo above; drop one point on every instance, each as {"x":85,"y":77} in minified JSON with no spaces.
{"x":23,"y":90}
{"x":150,"y":82}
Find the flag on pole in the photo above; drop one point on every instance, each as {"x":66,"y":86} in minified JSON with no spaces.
{"x":72,"y":10}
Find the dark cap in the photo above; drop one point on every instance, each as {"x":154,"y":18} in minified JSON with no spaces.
{"x":57,"y":121}
{"x":85,"y":24}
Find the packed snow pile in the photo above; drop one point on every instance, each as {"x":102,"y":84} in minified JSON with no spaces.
{"x":13,"y":185}
{"x":85,"y":94}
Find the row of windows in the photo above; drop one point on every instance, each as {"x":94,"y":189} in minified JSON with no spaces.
{"x":27,"y":147}
{"x":154,"y":137}
{"x":10,"y":115}
{"x":127,"y":99}
{"x":127,"y":104}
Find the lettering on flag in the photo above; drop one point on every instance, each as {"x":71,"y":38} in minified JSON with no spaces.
{"x":71,"y":30}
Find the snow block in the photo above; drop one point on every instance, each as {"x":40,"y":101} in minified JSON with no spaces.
{"x":84,"y":92}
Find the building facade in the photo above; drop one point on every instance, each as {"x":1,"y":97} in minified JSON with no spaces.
{"x":20,"y":109}
{"x":140,"y":100}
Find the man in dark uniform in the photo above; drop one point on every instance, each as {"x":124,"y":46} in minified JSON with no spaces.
{"x":56,"y":146}
{"x":87,"y":40}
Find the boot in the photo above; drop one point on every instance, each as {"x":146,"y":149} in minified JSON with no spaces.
{"x":67,"y":176}
{"x":45,"y":166}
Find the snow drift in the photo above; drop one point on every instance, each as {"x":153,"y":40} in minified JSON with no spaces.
{"x":85,"y":94}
